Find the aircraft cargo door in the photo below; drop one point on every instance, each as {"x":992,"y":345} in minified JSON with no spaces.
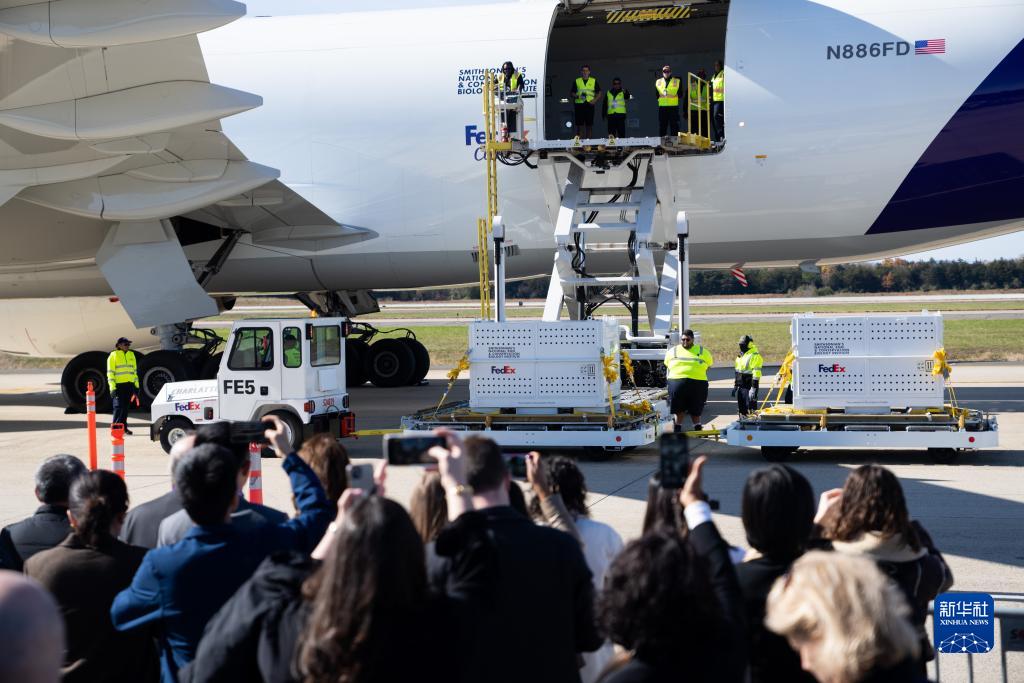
{"x":630,"y":41}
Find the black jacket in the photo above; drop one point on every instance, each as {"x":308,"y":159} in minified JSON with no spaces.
{"x":255,"y":634}
{"x":727,"y":661}
{"x":771,"y":657}
{"x":541,"y":614}
{"x":42,"y":531}
{"x":142,"y":524}
{"x":84,"y":582}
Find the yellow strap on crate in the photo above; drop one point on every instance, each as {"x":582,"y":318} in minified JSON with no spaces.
{"x":453,"y":375}
{"x":611,"y":373}
{"x":941,"y":367}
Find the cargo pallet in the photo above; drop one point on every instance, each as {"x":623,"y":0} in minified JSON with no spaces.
{"x":629,"y":428}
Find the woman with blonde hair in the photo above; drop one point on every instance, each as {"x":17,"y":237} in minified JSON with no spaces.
{"x":849,"y":623}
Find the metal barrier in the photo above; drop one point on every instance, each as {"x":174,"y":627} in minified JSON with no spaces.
{"x":1010,"y":622}
{"x":696,"y":84}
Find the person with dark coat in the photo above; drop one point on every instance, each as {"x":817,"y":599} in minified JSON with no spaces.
{"x":542,"y":611}
{"x":778,"y":515}
{"x":675,"y":602}
{"x":299,"y":619}
{"x":181,"y":586}
{"x":869,"y":517}
{"x":49,"y":525}
{"x":84,"y":573}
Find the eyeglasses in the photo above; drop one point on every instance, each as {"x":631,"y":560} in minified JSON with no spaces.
{"x":666,"y":71}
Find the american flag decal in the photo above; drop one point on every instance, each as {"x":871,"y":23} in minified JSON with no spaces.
{"x":737,"y":272}
{"x":933,"y":46}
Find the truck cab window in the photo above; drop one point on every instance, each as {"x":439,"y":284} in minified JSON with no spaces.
{"x":253,"y":349}
{"x":325,"y":346}
{"x":292,"y":347}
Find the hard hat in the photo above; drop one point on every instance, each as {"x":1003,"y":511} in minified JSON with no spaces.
{"x":123,"y":340}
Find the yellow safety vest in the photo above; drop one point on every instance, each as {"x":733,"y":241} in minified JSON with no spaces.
{"x":668,"y":93}
{"x":585,"y":90}
{"x":514,"y":81}
{"x":750,"y":363}
{"x":698,"y":100}
{"x":691,"y":363}
{"x":292,"y":357}
{"x":718,"y":87}
{"x":122,"y":369}
{"x":617,"y":103}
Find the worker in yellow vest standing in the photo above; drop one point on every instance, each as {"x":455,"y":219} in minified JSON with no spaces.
{"x":615,"y":109}
{"x":668,"y":102}
{"x":123,"y":379}
{"x":697,"y":98}
{"x":718,"y":101}
{"x":687,"y":372}
{"x":510,"y":81}
{"x":748,"y":376}
{"x":585,"y":92}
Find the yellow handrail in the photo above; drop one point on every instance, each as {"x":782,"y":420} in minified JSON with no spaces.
{"x":703,"y":132}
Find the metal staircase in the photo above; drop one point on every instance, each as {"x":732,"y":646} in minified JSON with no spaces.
{"x":596,"y":218}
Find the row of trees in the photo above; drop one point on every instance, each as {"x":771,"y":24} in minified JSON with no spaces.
{"x":890,"y":275}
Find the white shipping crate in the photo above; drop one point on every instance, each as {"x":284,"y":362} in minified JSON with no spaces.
{"x":535,"y":364}
{"x":870,"y":335}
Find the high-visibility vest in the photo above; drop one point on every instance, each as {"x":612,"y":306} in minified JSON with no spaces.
{"x":668,"y":93}
{"x":718,"y":87}
{"x":691,"y":363}
{"x":585,"y":90}
{"x":750,"y":363}
{"x":292,"y":357}
{"x":122,"y":369}
{"x":617,"y":103}
{"x":513,"y":82}
{"x":698,"y":96}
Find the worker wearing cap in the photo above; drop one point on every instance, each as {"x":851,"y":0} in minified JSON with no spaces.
{"x":615,"y":109}
{"x":697,"y":99}
{"x":510,"y":81}
{"x":748,"y":376}
{"x":123,"y":379}
{"x":292,"y":351}
{"x":687,"y":371}
{"x":668,"y":102}
{"x":585,"y":92}
{"x":718,"y":101}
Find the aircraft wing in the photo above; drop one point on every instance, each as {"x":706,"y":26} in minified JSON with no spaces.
{"x":107,"y":114}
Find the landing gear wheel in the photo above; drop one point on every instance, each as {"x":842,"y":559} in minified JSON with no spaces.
{"x":211,"y":366}
{"x":777,"y":453}
{"x":74,"y":381}
{"x":156,"y":370}
{"x":943,"y":456}
{"x":392,"y":363}
{"x":357,"y":360}
{"x":422,"y":357}
{"x":292,"y":428}
{"x":171,"y":430}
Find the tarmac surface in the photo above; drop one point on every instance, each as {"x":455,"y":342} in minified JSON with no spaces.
{"x":974,"y":509}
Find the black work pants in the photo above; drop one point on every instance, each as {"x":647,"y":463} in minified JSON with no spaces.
{"x":668,"y":121}
{"x":122,"y":397}
{"x":746,"y":399}
{"x":718,"y":120}
{"x":511,"y":119}
{"x":617,"y":125}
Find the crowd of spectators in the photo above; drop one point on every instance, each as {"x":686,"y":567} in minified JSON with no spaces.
{"x":476,"y":582}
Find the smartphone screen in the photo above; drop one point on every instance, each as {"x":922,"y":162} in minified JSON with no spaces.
{"x":410,"y":450}
{"x":674,"y":462}
{"x":361,"y":477}
{"x":516,"y":465}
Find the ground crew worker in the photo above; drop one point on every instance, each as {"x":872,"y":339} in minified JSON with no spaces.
{"x":292,"y":351}
{"x":748,"y":376}
{"x":718,"y":101}
{"x":585,"y":92}
{"x":697,"y":98}
{"x":510,"y":81}
{"x":123,"y":379}
{"x":668,"y":102}
{"x":615,"y":109}
{"x":687,"y":372}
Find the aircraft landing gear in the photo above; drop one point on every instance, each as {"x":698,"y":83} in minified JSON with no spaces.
{"x":389,"y":362}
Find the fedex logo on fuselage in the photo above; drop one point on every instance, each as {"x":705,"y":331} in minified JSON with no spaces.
{"x":185,"y":407}
{"x":506,"y":370}
{"x":835,"y":367}
{"x":474,"y":136}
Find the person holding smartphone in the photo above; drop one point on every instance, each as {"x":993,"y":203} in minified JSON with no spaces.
{"x":687,"y":372}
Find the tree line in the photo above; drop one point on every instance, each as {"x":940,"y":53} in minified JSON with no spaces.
{"x":888,"y":276}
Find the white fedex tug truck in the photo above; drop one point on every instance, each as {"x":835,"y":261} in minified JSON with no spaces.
{"x":291,"y":368}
